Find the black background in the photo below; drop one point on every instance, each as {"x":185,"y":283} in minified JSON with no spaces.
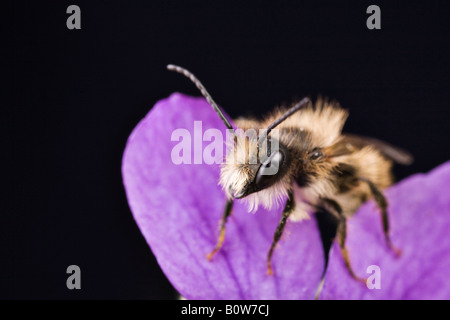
{"x":77,"y":94}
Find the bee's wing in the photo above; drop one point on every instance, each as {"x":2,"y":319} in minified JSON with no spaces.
{"x":351,"y":141}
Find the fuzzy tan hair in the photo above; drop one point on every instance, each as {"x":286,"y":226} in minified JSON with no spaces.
{"x":324,"y":122}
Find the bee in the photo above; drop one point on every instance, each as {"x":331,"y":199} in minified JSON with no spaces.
{"x":318,"y":167}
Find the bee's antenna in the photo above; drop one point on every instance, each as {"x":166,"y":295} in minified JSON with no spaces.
{"x":205,"y":93}
{"x":288,"y":113}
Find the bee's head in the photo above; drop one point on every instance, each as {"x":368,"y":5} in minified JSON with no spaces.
{"x":258,"y":176}
{"x":257,"y":170}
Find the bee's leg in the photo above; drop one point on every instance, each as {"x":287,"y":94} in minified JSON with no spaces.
{"x":382,"y":203}
{"x":290,"y":205}
{"x":226,"y":213}
{"x":342,"y":235}
{"x":327,"y":223}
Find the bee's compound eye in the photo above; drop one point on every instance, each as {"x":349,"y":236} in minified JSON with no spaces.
{"x":236,"y":194}
{"x":267,"y":173}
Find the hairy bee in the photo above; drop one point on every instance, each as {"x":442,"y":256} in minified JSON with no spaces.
{"x":319,"y":167}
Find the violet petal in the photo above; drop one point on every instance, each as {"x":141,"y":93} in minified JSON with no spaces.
{"x":178,"y":208}
{"x":419,"y":208}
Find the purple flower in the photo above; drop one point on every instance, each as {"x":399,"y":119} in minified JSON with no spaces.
{"x":178,"y":209}
{"x":419,"y":208}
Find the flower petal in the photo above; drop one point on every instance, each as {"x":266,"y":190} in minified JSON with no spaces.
{"x":178,"y":209}
{"x":419,"y":212}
